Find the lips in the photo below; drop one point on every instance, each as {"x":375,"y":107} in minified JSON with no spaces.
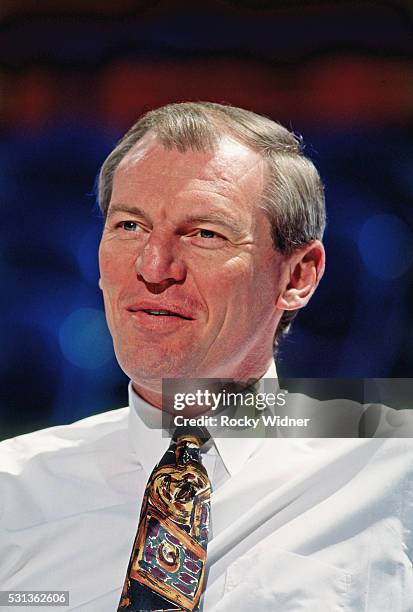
{"x":161,"y":310}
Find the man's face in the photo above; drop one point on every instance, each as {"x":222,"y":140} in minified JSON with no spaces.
{"x":189,"y":275}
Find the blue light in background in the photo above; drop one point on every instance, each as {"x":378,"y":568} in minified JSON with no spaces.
{"x":87,"y":254}
{"x":85,"y":340}
{"x":386,"y":246}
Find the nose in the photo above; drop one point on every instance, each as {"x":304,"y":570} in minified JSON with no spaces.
{"x":158,"y":262}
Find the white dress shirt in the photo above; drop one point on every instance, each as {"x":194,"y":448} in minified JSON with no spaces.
{"x":296,"y":524}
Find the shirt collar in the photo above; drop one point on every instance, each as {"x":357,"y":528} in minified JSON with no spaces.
{"x":235,"y":452}
{"x":149,"y":441}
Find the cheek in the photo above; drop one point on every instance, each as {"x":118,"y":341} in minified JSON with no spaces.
{"x":227,"y":288}
{"x":223,"y":278}
{"x":252,"y":287}
{"x":104,"y":262}
{"x":112,"y":267}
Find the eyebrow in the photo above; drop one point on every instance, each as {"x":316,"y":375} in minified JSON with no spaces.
{"x":214,"y":216}
{"x":134,"y":210}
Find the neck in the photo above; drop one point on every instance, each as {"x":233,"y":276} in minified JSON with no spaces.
{"x":151,"y":390}
{"x":153,"y":395}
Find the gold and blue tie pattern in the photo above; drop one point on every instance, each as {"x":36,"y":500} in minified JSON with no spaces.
{"x":167,"y":565}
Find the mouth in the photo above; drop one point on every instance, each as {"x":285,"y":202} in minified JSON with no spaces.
{"x":158,"y":312}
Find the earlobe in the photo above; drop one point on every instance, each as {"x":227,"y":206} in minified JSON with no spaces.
{"x":306,"y":267}
{"x":100,"y":283}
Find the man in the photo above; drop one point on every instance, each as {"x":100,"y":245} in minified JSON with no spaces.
{"x":191,"y":217}
{"x":211,"y":243}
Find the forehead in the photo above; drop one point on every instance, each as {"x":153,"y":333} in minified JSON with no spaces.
{"x":231,"y":166}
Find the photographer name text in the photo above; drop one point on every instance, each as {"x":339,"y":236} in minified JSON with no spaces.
{"x":222,"y":420}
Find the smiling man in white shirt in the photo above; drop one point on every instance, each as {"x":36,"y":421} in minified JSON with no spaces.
{"x":211,"y":244}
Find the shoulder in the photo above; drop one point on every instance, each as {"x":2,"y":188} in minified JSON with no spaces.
{"x":44,"y":474}
{"x":74,"y":437}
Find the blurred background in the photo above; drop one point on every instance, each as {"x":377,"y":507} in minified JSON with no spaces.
{"x":75,"y":74}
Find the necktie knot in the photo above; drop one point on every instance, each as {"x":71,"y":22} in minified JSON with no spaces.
{"x":200,"y":435}
{"x":189,"y":441}
{"x":187,"y":450}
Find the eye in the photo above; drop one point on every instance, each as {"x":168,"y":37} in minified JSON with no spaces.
{"x":207,"y":239}
{"x":206,"y":233}
{"x":129,"y":226}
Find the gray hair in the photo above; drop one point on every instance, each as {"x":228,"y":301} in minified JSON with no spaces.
{"x":293,"y":198}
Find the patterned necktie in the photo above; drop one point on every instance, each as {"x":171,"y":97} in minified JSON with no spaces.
{"x":167,"y":564}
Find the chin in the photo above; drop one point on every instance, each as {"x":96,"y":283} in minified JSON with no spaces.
{"x":155,"y":365}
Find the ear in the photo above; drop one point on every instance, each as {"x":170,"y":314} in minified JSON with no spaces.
{"x":305,"y":268}
{"x":100,"y":283}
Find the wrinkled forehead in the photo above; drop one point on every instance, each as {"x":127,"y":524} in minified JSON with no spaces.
{"x":229,"y":161}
